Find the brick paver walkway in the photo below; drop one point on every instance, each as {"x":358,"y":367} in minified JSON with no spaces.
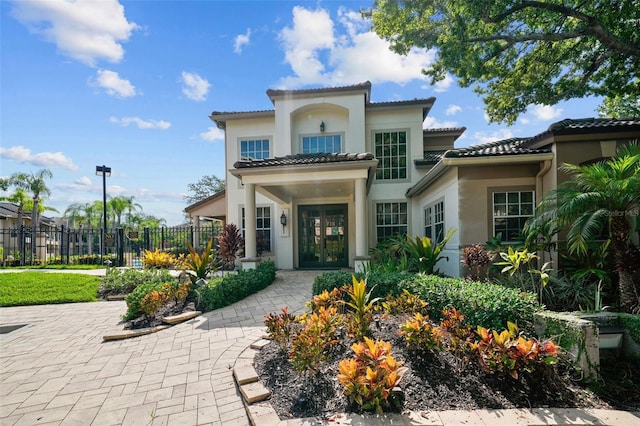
{"x":57,"y":370}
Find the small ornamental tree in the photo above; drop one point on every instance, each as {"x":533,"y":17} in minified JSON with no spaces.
{"x":230,"y":245}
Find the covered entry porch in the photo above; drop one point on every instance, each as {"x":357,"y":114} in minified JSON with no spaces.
{"x":321,"y":207}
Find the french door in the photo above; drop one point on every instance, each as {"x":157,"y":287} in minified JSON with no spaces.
{"x":322,"y":236}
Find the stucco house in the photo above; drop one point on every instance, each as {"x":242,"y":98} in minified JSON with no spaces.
{"x":327,"y":173}
{"x":323,"y":175}
{"x":492,"y":189}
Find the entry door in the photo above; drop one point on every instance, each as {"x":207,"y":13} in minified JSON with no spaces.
{"x":323,"y":236}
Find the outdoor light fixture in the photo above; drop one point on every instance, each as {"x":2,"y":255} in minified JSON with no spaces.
{"x":104,"y":171}
{"x":322,"y":127}
{"x":283,"y":220}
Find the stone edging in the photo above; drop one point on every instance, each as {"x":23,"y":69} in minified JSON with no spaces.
{"x":168,"y":322}
{"x":261,"y":413}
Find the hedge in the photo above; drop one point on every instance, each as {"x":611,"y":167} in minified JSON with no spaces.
{"x":221,"y":292}
{"x":485,"y":304}
{"x":382,"y":284}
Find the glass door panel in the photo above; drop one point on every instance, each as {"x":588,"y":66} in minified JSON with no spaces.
{"x":323,"y":236}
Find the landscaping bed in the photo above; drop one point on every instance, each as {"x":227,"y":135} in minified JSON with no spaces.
{"x":433,"y":381}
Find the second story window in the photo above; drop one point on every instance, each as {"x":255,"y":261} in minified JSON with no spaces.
{"x":256,"y":149}
{"x":391,"y":152}
{"x":323,"y":143}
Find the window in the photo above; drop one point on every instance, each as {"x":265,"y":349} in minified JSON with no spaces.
{"x":391,"y":219}
{"x":256,"y":149}
{"x":391,"y":152}
{"x":434,"y":222}
{"x":510,"y":212}
{"x":323,"y":143}
{"x":263,"y":228}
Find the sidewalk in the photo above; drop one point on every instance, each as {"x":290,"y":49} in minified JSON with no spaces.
{"x":57,"y":370}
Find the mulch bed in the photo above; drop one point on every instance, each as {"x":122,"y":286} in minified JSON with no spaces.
{"x":434,"y":381}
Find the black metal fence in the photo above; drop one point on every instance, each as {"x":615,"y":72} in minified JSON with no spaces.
{"x":117,"y":247}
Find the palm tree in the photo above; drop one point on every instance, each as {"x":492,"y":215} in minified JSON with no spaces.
{"x":36,"y":185}
{"x":598,"y":197}
{"x":20,"y":199}
{"x":120,"y":204}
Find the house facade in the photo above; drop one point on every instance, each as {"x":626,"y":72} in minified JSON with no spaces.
{"x":323,"y":175}
{"x":492,"y":189}
{"x":327,"y":174}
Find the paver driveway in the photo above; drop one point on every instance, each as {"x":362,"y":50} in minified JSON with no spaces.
{"x":58,"y":370}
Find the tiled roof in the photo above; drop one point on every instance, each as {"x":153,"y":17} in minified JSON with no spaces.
{"x":420,"y":101}
{"x":303,"y":159}
{"x":430,"y":157}
{"x":512,"y":146}
{"x":594,"y":123}
{"x":278,"y":92}
{"x":445,"y":130}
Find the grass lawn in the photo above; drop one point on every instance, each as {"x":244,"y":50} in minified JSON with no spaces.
{"x":40,"y":288}
{"x":55,"y":267}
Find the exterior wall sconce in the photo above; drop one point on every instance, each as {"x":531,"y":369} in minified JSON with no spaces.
{"x":322,"y":127}
{"x":283,"y":220}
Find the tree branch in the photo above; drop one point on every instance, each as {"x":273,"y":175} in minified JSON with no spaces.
{"x":528,"y":37}
{"x":594,"y":25}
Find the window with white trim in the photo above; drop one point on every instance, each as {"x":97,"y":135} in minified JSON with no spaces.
{"x":263,"y":228}
{"x":330,"y":144}
{"x":256,"y":149}
{"x":434,"y":222}
{"x":391,"y":219}
{"x":391,"y":151}
{"x":511,"y":210}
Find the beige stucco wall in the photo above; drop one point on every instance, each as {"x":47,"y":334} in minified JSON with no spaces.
{"x":477,"y":183}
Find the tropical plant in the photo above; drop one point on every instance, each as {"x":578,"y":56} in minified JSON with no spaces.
{"x":198,"y":265}
{"x":158,"y":259}
{"x":519,"y":265}
{"x":230,"y":244}
{"x":423,"y":254}
{"x":477,"y":260}
{"x":361,"y":306}
{"x":601,"y":197}
{"x":370,"y":377}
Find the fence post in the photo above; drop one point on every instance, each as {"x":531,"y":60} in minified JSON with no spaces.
{"x":147,"y":240}
{"x":120,"y":243}
{"x":162,"y":238}
{"x":23,"y":245}
{"x":68,"y":245}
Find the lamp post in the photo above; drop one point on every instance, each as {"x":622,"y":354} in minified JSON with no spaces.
{"x":103,"y":171}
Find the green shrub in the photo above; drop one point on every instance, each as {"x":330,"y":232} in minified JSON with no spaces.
{"x":124,"y":281}
{"x":381,"y":285}
{"x":134,"y":299}
{"x":231,"y":288}
{"x":484,"y":304}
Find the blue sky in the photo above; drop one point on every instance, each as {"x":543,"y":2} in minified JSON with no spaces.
{"x":130,"y":84}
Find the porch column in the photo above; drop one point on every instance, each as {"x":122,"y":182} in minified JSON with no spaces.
{"x":250,"y":220}
{"x":362,"y":258}
{"x":195,"y":222}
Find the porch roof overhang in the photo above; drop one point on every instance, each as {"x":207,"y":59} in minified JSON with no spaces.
{"x":442,"y":166}
{"x":307,"y":176}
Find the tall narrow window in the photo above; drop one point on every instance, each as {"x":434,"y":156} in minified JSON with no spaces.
{"x":256,"y":149}
{"x":510,"y":213}
{"x":263,"y":228}
{"x":391,"y":219}
{"x":329,"y":144}
{"x":391,"y":152}
{"x":434,"y":222}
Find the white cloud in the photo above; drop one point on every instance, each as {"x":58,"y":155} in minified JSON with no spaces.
{"x":443,"y":85}
{"x":195,"y":87}
{"x":434,"y":123}
{"x":318,"y":54}
{"x":142,"y":124}
{"x":242,"y":40}
{"x":85,"y":30}
{"x":82,"y":184}
{"x":20,"y":154}
{"x":212,"y":134}
{"x":113,"y":84}
{"x":453,"y":109}
{"x":486,"y":137}
{"x":544,"y":112}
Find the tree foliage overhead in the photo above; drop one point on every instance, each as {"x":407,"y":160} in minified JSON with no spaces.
{"x":207,"y":186}
{"x":517,"y":53}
